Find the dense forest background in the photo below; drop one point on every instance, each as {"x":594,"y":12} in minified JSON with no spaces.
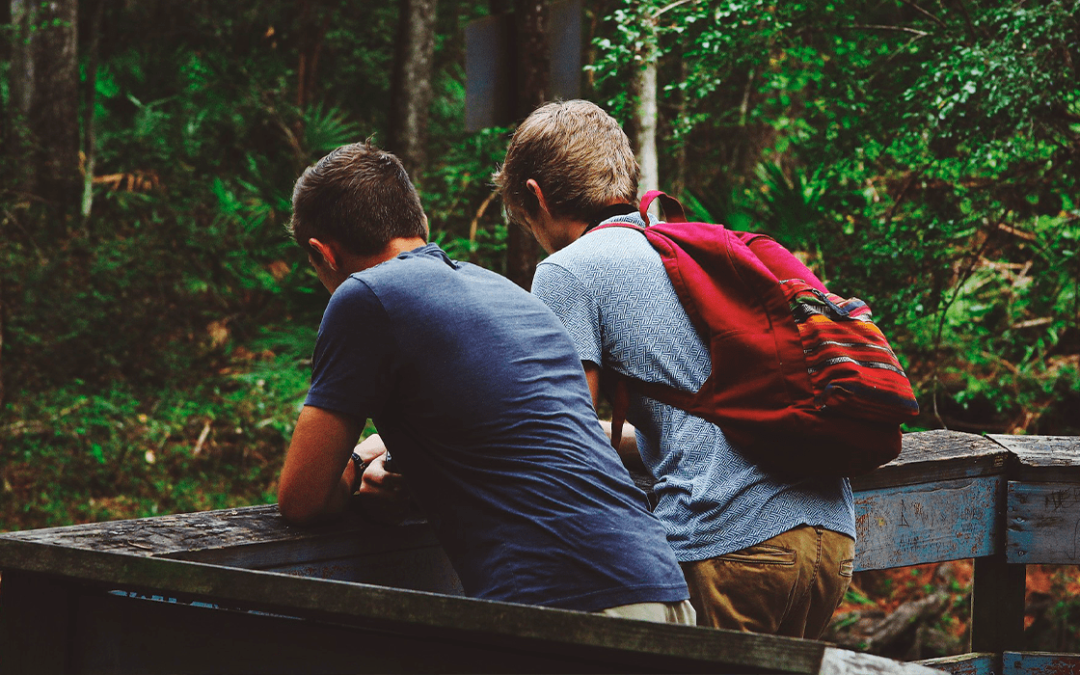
{"x":156,"y":323}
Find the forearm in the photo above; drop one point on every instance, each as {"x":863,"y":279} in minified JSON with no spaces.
{"x":316,"y":481}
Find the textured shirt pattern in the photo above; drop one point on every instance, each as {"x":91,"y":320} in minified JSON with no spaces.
{"x":613,"y":295}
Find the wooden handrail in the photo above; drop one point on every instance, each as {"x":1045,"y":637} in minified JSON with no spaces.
{"x":1005,"y":501}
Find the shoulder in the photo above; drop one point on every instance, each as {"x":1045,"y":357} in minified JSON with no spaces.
{"x":353,"y":305}
{"x":603,"y":249}
{"x":608,"y":253}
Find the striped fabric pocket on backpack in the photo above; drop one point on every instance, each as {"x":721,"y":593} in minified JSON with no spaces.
{"x":852,"y":368}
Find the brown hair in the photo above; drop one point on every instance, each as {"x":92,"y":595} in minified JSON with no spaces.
{"x":359,"y":196}
{"x":577,"y":153}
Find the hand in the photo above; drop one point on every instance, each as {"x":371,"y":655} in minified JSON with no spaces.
{"x":370,"y":448}
{"x":386,"y":495}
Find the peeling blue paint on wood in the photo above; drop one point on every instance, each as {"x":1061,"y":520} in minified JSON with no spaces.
{"x":932,"y":522}
{"x":1040,"y":663}
{"x":968,"y":664}
{"x":1043,"y":523}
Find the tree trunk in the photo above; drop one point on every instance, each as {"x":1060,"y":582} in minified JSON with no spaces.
{"x":678,"y":180}
{"x":5,"y":57}
{"x":312,"y":31}
{"x":411,"y":90}
{"x":2,"y":308}
{"x":645,"y":113}
{"x":89,"y":137}
{"x":532,"y":85}
{"x":645,"y":116}
{"x":44,"y":99}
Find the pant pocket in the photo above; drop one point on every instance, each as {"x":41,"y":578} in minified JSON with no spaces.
{"x":750,"y":590}
{"x":762,"y":554}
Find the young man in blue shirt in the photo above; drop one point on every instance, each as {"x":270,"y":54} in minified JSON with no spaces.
{"x":477,"y":391}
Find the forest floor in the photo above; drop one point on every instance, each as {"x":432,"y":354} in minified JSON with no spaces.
{"x":924,"y":611}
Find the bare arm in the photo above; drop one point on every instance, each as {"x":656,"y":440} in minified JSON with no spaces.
{"x":317,"y":478}
{"x":628,"y":451}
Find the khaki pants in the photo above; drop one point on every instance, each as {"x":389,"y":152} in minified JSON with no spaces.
{"x":658,"y":612}
{"x":788,"y":585}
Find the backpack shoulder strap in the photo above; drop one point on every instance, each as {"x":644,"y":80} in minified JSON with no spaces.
{"x":778,"y":259}
{"x":673,"y":210}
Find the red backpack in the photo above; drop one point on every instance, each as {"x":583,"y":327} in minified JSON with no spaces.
{"x":802,"y":380}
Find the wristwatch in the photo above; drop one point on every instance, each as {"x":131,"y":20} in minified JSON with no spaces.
{"x":358,"y":475}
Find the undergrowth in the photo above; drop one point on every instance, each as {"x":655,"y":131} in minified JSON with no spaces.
{"x":82,"y":454}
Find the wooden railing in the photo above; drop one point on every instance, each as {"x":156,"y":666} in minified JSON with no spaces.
{"x":1005,"y":501}
{"x":242,"y":591}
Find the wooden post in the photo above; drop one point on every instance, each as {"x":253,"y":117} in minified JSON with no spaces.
{"x":997,"y":605}
{"x":997,"y":594}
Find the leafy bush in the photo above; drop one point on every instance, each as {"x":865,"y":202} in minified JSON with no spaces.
{"x":923,"y":158}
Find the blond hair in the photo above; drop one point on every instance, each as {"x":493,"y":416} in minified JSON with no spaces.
{"x":578,"y":155}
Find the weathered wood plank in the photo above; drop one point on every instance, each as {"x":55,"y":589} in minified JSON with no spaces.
{"x":997,"y":605}
{"x":124,"y":636}
{"x":930,"y":456}
{"x":935,"y":522}
{"x":1041,"y":663}
{"x":1043,"y":523}
{"x":1043,"y":458}
{"x":423,"y":615}
{"x":182,"y":533}
{"x":844,"y":662}
{"x":977,"y":663}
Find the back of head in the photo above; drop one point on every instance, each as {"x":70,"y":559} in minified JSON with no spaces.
{"x":358,"y":196}
{"x":577,"y":153}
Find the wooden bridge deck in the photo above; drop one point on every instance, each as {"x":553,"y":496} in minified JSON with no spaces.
{"x":242,"y":591}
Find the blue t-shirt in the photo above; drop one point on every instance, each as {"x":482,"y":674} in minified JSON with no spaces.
{"x":611,"y":291}
{"x":477,"y":390}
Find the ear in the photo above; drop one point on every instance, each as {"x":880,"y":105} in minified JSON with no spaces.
{"x":327,"y":251}
{"x":534,"y":188}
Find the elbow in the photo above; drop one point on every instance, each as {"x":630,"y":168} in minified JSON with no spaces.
{"x":295,"y":508}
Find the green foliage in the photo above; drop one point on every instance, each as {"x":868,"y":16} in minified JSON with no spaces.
{"x":156,"y":304}
{"x":922,"y":155}
{"x":84,"y":454}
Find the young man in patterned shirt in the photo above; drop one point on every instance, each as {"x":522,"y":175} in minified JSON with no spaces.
{"x":761,"y":552}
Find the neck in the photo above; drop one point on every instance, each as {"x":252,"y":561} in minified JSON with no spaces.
{"x":395,"y":247}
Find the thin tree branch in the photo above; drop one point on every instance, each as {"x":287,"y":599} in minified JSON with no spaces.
{"x":671,"y":6}
{"x":894,"y":29}
{"x":922,"y":11}
{"x":967,"y":17}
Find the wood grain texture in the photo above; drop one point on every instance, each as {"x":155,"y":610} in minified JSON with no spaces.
{"x":553,"y":632}
{"x":930,"y":456}
{"x":182,"y":533}
{"x":976,"y":663}
{"x":1043,"y":458}
{"x":843,"y":662}
{"x":934,"y":522}
{"x":1043,"y":523}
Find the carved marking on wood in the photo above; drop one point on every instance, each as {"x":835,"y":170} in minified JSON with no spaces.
{"x":1043,"y":523}
{"x":946,"y":520}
